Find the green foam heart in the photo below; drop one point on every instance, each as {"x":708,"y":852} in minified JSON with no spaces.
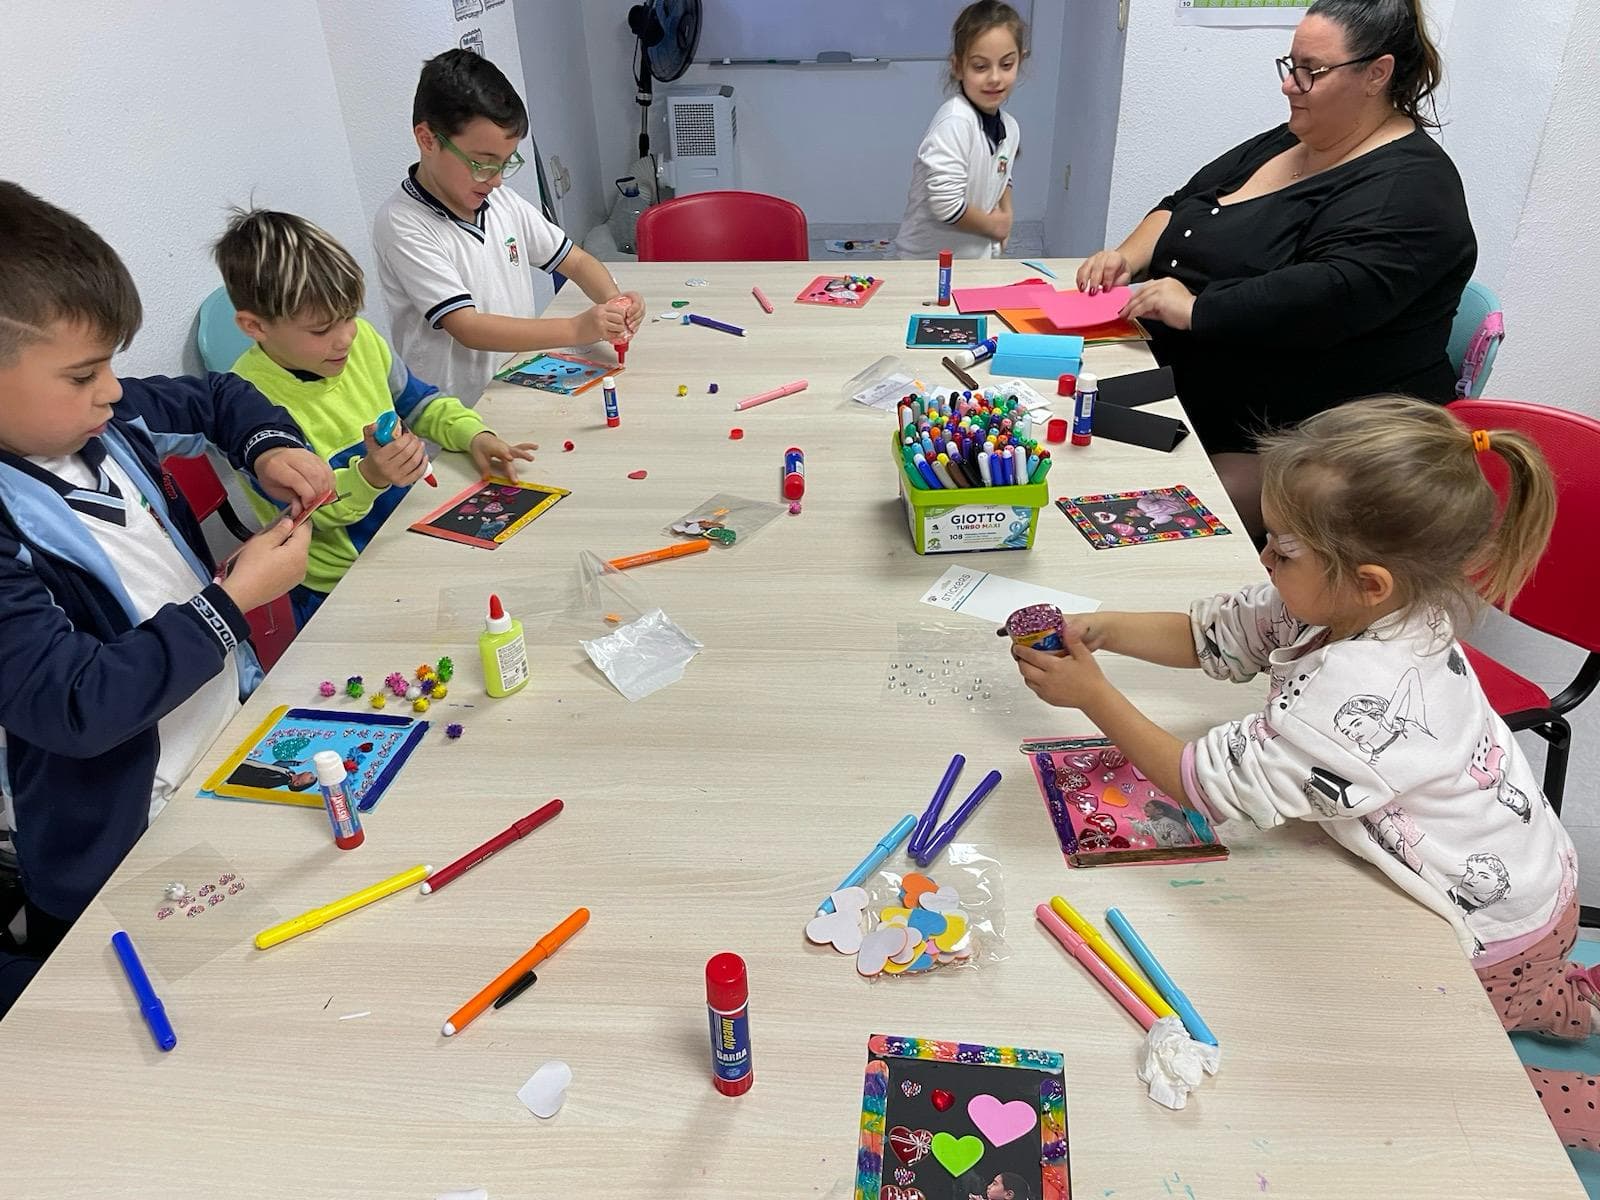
{"x":957,"y":1155}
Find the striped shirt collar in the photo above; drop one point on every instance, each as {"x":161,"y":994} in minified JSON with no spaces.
{"x":413,"y":188}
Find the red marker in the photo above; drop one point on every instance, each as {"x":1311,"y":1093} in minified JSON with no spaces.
{"x":493,"y":846}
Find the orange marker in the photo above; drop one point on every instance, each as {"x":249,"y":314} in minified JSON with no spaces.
{"x":666,"y":552}
{"x":542,"y":949}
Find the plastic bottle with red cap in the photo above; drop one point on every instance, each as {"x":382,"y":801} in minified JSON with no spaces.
{"x":728,"y":1005}
{"x":503,"y":652}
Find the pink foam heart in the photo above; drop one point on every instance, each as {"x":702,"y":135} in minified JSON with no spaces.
{"x":1001,"y":1122}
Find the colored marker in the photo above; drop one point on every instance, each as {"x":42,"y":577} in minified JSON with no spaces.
{"x":676,"y":550}
{"x":697,"y":319}
{"x":761,"y":299}
{"x":777,"y":393}
{"x":1080,"y":950}
{"x":1158,"y":975}
{"x":613,"y":415}
{"x":318,"y":917}
{"x":886,"y":846}
{"x":517,"y":831}
{"x":541,"y":950}
{"x":930,"y":816}
{"x":150,"y":1006}
{"x":947,"y":831}
{"x":1112,"y":959}
{"x":388,"y":425}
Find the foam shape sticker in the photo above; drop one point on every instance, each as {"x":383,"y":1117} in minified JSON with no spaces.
{"x":911,"y":1145}
{"x":1115,"y":796}
{"x":958,"y":1155}
{"x":895,"y":916}
{"x":546,"y":1089}
{"x":913,"y":886}
{"x":914,"y":947}
{"x":945,"y":900}
{"x":841,"y":928}
{"x":877,"y":947}
{"x":927,"y":922}
{"x":1001,"y":1122}
{"x":953,"y":934}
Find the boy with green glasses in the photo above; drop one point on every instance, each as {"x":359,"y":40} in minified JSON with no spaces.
{"x":456,"y":251}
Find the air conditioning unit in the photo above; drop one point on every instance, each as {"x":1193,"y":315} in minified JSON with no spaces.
{"x":702,"y":129}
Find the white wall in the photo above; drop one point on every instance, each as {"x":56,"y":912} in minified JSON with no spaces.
{"x":148,"y":119}
{"x":838,"y":141}
{"x":555,"y":64}
{"x":1085,"y":119}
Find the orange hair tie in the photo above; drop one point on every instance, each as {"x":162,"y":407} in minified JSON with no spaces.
{"x":1480,"y":440}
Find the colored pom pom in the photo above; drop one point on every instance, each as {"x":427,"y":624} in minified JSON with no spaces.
{"x":446,"y":669}
{"x":420,"y":704}
{"x":351,"y":764}
{"x":425,"y":670}
{"x":452,"y":730}
{"x":378,"y":700}
{"x":353,"y":686}
{"x":683,"y":389}
{"x":395,"y":682}
{"x":712,"y":389}
{"x":440,"y":692}
{"x":794,"y":508}
{"x":413,"y":692}
{"x":327,"y":688}
{"x":428,"y":684}
{"x":567,"y":445}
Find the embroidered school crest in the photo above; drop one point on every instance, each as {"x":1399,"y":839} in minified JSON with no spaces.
{"x":511,"y":251}
{"x":1002,"y":164}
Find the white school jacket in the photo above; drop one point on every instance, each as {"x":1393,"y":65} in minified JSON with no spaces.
{"x":955,"y":170}
{"x":1388,"y":741}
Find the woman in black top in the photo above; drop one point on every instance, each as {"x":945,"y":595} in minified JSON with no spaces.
{"x":1316,"y":263}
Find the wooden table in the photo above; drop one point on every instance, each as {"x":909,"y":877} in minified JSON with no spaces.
{"x":1360,"y":1055}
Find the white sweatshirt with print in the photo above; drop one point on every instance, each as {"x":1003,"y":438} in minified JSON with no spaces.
{"x":956,"y":169}
{"x":1388,"y":740}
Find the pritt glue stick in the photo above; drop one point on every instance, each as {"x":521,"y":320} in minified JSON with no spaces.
{"x":727,"y":1004}
{"x":946,"y":261}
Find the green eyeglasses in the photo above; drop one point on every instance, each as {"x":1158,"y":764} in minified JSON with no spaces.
{"x":483,"y":172}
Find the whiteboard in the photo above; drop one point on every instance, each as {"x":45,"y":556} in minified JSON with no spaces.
{"x":786,"y":29}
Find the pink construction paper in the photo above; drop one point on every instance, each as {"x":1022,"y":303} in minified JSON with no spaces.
{"x":1027,"y":294}
{"x":1077,"y":310}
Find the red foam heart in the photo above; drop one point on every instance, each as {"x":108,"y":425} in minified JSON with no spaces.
{"x":942,"y":1100}
{"x":910,"y":1144}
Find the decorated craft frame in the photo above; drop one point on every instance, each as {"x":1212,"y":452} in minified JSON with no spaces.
{"x":377,"y":744}
{"x":919,"y":1093}
{"x":833,"y":291}
{"x":1113,"y":519}
{"x":490,"y":512}
{"x":557,"y":373}
{"x":941,"y":331}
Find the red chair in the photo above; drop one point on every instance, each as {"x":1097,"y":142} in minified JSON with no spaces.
{"x":271,"y":625}
{"x":1559,"y":599}
{"x":723,"y":227}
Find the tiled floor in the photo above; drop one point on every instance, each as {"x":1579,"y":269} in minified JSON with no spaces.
{"x":1027,"y":241}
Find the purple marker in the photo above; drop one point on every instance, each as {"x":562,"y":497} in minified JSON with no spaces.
{"x":930,"y":817}
{"x":953,"y":826}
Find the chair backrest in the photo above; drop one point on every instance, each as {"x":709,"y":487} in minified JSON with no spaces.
{"x":220,"y":341}
{"x":723,"y":227}
{"x":1475,"y":338}
{"x":197,"y":480}
{"x":1559,"y":599}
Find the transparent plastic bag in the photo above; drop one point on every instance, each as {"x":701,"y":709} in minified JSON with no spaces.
{"x":880,"y":386}
{"x":745,"y":517}
{"x":979,"y":886}
{"x":643,"y":656}
{"x":596,"y":598}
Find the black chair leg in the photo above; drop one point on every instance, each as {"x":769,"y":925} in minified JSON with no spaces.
{"x":1559,"y":734}
{"x":233,"y":524}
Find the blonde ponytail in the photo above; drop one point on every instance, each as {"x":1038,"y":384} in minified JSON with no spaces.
{"x":1510,"y":555}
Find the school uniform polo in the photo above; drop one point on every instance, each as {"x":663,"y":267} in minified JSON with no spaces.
{"x":432,"y":263}
{"x":965,"y":161}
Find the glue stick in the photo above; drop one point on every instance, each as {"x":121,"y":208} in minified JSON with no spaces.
{"x":946,"y":261}
{"x":794,"y":473}
{"x":504,"y":653}
{"x":728,"y":1005}
{"x":613,"y":417}
{"x":342,"y":814}
{"x":1083,"y":409}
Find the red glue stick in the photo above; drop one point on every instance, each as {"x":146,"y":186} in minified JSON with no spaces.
{"x":946,"y":261}
{"x":727,"y":1003}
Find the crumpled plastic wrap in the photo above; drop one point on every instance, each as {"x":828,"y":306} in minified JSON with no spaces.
{"x":643,"y":656}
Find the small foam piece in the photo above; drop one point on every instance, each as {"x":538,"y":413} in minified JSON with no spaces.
{"x":567,"y":446}
{"x":637,"y":474}
{"x":735,"y":435}
{"x":840,"y":928}
{"x":546,"y":1089}
{"x":712,"y":389}
{"x":683,"y":389}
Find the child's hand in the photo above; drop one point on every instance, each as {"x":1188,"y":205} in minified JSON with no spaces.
{"x":269,"y":564}
{"x":1067,"y":679}
{"x":1000,"y":223}
{"x":602,"y":323}
{"x":297,"y":477}
{"x":1088,"y":628}
{"x":493,"y":455}
{"x":399,"y":464}
{"x":634,"y":313}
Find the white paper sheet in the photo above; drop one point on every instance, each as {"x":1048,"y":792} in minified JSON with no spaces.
{"x":975,"y":593}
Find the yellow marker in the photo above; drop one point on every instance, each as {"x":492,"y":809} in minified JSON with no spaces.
{"x":1119,"y":965}
{"x":319,"y":917}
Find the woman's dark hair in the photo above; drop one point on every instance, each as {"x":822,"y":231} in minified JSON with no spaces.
{"x":1373,"y":28}
{"x":457,"y":86}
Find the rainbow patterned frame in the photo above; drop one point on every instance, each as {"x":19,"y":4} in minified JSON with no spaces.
{"x":1055,"y":1180}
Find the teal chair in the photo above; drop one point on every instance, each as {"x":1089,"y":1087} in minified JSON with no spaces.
{"x":1475,"y":337}
{"x":1582,"y":1056}
{"x":219,"y":339}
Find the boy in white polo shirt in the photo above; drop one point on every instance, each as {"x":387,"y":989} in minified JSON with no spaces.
{"x":456,"y":251}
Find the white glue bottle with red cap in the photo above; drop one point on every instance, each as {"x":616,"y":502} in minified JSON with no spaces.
{"x":504,"y":653}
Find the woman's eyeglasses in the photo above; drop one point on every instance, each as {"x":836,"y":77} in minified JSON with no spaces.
{"x":1304,"y":77}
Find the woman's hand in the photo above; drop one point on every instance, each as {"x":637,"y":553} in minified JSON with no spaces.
{"x":1102,"y":271}
{"x":1164,"y":300}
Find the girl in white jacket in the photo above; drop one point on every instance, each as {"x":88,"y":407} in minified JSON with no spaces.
{"x":960,"y":197}
{"x":1383,"y":534}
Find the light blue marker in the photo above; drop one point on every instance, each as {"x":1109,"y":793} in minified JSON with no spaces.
{"x":1158,"y":976}
{"x":890,"y":842}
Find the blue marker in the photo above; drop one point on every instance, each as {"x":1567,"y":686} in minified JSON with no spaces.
{"x":886,"y":846}
{"x":1158,"y":976}
{"x":697,"y":319}
{"x":926,"y":472}
{"x":150,"y":1006}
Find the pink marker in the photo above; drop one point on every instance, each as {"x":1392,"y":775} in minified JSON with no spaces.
{"x":1095,"y":965}
{"x":777,"y":393}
